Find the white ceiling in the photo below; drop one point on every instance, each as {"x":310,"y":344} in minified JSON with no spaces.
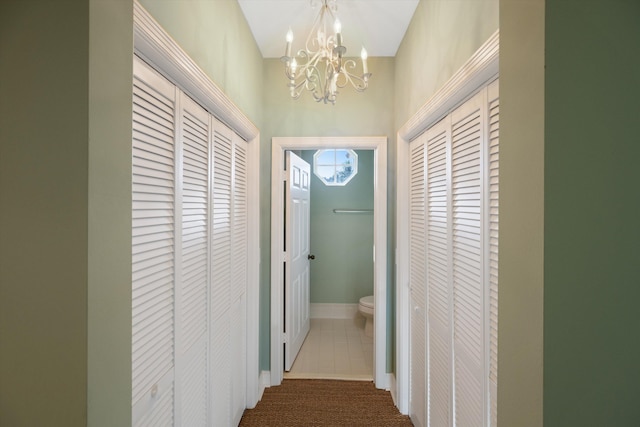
{"x":378,"y":25}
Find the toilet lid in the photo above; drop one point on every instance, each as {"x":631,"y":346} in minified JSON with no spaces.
{"x":367,"y":301}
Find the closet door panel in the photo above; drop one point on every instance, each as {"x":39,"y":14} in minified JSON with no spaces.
{"x":493,"y":207}
{"x":153,"y":241}
{"x":221,"y":272}
{"x":417,"y":282}
{"x":193,"y":310}
{"x":239,"y":279}
{"x":467,"y":136}
{"x":438,"y":265}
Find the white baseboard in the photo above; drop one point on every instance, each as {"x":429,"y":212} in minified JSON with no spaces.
{"x":393,"y":388}
{"x":264,"y":382}
{"x":333,"y":311}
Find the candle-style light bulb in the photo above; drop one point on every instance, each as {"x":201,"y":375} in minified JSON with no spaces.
{"x":337,"y":27}
{"x":289,"y":40}
{"x":364,"y":56}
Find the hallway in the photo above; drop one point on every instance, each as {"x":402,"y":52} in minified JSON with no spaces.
{"x":325,"y":403}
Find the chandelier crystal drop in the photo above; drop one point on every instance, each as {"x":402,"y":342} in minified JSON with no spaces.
{"x":321,"y":68}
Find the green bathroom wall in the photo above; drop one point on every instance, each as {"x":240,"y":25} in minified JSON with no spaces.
{"x":342,"y":271}
{"x":592,"y":206}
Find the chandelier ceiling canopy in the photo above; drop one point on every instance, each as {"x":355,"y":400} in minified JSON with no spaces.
{"x":321,"y":68}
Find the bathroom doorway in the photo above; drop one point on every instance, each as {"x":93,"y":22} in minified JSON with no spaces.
{"x":341,"y":267}
{"x":378,"y":147}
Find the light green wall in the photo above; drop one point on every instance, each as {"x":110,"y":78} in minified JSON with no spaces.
{"x":109,"y":286}
{"x":355,"y":114}
{"x":342,"y":271}
{"x":44,"y":62}
{"x":216,"y":36}
{"x":592,"y":207}
{"x":443,"y":34}
{"x":520,"y":316}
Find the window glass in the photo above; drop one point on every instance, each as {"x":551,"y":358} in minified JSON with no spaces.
{"x":335,"y":166}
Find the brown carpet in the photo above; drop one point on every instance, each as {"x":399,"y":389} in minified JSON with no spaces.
{"x":324,"y":403}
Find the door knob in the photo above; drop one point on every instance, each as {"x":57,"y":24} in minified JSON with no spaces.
{"x":311,"y":256}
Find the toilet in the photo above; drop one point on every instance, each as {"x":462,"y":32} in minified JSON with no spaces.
{"x":365,"y":307}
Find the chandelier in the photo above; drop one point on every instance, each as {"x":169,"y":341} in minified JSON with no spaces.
{"x":320,"y":68}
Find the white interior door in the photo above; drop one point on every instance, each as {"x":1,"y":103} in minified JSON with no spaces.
{"x":296,"y":286}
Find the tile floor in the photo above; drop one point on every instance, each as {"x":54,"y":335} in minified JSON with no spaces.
{"x":335,"y":349}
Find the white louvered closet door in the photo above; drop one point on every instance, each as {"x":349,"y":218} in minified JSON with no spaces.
{"x":417,"y":284}
{"x":190,"y":264}
{"x":493,"y":102}
{"x":467,"y":138}
{"x":460,"y":219}
{"x":153,"y":245}
{"x":192,"y":308}
{"x":438,"y":274}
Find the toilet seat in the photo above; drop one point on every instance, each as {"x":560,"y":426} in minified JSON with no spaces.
{"x":366,"y":309}
{"x":367,"y":302}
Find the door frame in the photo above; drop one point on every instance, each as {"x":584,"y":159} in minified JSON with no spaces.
{"x":379,"y":146}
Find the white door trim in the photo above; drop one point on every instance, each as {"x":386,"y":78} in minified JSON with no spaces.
{"x":482,"y":67}
{"x":155,"y":46}
{"x":379,"y":146}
